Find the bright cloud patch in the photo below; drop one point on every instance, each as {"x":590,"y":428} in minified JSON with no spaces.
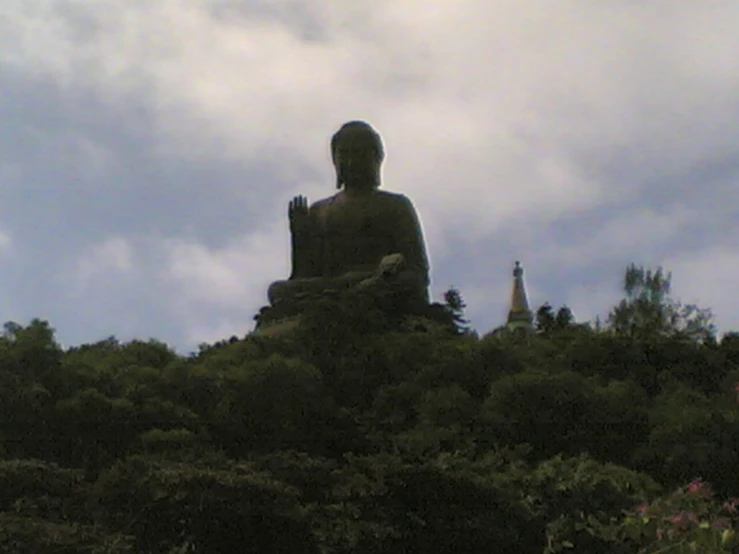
{"x":222,"y":282}
{"x":5,"y":242}
{"x":114,"y":256}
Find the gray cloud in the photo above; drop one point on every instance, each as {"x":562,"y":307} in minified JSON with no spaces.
{"x":149,"y":149}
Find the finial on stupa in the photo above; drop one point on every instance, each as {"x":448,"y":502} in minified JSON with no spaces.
{"x":519,"y":315}
{"x":518,"y":270}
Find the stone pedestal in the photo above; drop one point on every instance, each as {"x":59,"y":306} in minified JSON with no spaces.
{"x":419,"y":317}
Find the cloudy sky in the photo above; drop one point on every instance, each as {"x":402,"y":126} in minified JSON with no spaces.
{"x":148,"y":149}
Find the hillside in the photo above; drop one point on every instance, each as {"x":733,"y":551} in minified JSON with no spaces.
{"x":360,"y":435}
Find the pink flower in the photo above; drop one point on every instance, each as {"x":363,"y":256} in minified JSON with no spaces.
{"x":683,"y":520}
{"x":731,"y":505}
{"x":699,"y":487}
{"x":720,"y":524}
{"x":642,"y":509}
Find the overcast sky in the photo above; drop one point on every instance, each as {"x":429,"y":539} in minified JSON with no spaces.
{"x":148,"y":149}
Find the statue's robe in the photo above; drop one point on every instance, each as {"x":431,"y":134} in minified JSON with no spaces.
{"x":345,"y":239}
{"x":348,"y":234}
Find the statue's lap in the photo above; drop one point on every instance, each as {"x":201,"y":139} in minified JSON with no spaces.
{"x":295,"y":289}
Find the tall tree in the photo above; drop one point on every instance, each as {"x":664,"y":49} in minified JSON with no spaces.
{"x":455,"y":305}
{"x":648,"y":310}
{"x":565,"y":318}
{"x":545,"y":319}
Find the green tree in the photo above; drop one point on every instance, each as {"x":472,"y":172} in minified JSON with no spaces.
{"x":272,"y":405}
{"x":455,"y":305}
{"x":545,"y":319}
{"x":565,"y":413}
{"x":31,"y":352}
{"x":564,"y":318}
{"x":208,"y":507}
{"x":648,"y":310}
{"x":690,"y":436}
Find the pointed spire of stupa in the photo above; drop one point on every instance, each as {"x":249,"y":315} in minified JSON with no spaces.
{"x":520,"y":315}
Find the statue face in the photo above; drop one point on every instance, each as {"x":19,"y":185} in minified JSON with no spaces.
{"x":356,"y":164}
{"x":357,"y":155}
{"x":356,"y":170}
{"x":356,"y":159}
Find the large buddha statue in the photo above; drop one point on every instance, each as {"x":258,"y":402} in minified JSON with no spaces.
{"x":360,"y":238}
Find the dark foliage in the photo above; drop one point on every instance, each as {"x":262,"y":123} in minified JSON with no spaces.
{"x":365,"y":432}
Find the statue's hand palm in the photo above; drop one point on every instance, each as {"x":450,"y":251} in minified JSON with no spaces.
{"x":298,"y":214}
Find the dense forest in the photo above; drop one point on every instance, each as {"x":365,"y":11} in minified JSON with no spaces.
{"x":366,"y":432}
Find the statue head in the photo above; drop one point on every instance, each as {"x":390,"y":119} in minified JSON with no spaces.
{"x":357,"y":153}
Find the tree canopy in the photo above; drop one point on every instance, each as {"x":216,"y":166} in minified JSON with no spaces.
{"x":364,"y":434}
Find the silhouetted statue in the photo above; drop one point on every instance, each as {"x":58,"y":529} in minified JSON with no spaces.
{"x":361,"y":237}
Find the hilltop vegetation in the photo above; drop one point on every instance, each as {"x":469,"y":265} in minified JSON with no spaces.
{"x":362,"y":434}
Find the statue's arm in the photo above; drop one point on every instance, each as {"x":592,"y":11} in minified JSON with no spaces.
{"x":410,"y":238}
{"x":297,"y":249}
{"x":306,"y":239}
{"x":302,"y":238}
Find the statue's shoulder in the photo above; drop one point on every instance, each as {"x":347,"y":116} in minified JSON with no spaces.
{"x":320,"y":209}
{"x":321,"y":205}
{"x":395,"y":200}
{"x":394,"y":197}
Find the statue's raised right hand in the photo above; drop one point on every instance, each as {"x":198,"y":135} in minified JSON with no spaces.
{"x":297,"y":212}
